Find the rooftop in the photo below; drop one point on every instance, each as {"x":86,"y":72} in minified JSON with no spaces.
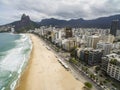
{"x":114,"y":56}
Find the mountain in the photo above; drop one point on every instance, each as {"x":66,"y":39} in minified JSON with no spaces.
{"x":26,"y":23}
{"x":103,"y":22}
{"x":23,"y":25}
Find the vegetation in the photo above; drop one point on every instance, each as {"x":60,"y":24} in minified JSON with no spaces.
{"x":114,"y":85}
{"x":84,"y":68}
{"x":96,"y":78}
{"x":88,"y":85}
{"x":97,"y":69}
{"x":92,"y":76}
{"x":74,"y":53}
{"x":113,"y":61}
{"x":73,"y":60}
{"x":105,"y":81}
{"x":108,"y":80}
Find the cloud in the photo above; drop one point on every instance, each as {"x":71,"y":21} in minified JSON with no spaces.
{"x":11,"y":10}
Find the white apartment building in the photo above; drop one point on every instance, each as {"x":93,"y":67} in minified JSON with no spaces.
{"x":118,"y":33}
{"x":107,"y":38}
{"x":69,"y":44}
{"x":110,"y":38}
{"x":56,"y":35}
{"x":106,"y":47}
{"x":93,"y":40}
{"x":116,"y":45}
{"x":113,"y":65}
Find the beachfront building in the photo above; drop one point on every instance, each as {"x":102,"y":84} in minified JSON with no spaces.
{"x":91,"y":56}
{"x":78,"y":52}
{"x":41,"y":31}
{"x":95,"y":57}
{"x":84,"y":54}
{"x":57,"y":34}
{"x":106,"y":47}
{"x":111,"y":65}
{"x":54,"y":36}
{"x":69,"y":44}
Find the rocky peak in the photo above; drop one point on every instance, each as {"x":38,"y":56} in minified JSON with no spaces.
{"x":25,"y":18}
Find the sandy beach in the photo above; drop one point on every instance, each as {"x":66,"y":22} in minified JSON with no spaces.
{"x":44,"y":72}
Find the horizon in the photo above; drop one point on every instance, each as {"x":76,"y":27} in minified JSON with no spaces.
{"x":62,"y":10}
{"x":60,"y":19}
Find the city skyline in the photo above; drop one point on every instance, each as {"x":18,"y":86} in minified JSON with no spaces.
{"x":60,"y":45}
{"x":63,"y":9}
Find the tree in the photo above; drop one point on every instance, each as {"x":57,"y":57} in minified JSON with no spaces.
{"x":97,"y":69}
{"x":105,"y":81}
{"x":73,"y":60}
{"x":85,"y":69}
{"x":101,"y":82}
{"x":113,"y":61}
{"x":74,"y":52}
{"x":88,"y":85}
{"x":92,"y":76}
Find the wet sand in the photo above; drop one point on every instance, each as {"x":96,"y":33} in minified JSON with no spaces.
{"x":44,"y":72}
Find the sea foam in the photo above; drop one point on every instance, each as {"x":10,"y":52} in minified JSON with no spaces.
{"x":14,"y":62}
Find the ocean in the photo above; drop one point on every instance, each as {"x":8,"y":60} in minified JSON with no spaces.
{"x":15,"y":51}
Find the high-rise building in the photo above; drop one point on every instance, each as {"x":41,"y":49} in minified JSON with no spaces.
{"x":104,"y":64}
{"x":110,"y":38}
{"x":118,"y":32}
{"x":93,"y":40}
{"x":69,"y":44}
{"x":95,"y":57}
{"x":68,"y":32}
{"x":84,"y":54}
{"x":91,"y":56}
{"x":106,"y":47}
{"x":114,"y":27}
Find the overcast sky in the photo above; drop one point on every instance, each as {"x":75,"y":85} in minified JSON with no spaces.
{"x":11,"y":10}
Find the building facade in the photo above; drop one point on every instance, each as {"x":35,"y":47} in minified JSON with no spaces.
{"x":106,"y":47}
{"x":92,"y":41}
{"x":111,"y":65}
{"x":114,"y":27}
{"x":68,"y":32}
{"x":91,"y":56}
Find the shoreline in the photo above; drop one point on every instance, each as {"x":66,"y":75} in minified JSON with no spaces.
{"x":36,"y":75}
{"x":26,"y":71}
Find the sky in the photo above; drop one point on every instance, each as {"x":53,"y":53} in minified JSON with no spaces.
{"x":11,"y":10}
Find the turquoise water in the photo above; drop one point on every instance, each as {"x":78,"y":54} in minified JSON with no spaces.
{"x":14,"y":55}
